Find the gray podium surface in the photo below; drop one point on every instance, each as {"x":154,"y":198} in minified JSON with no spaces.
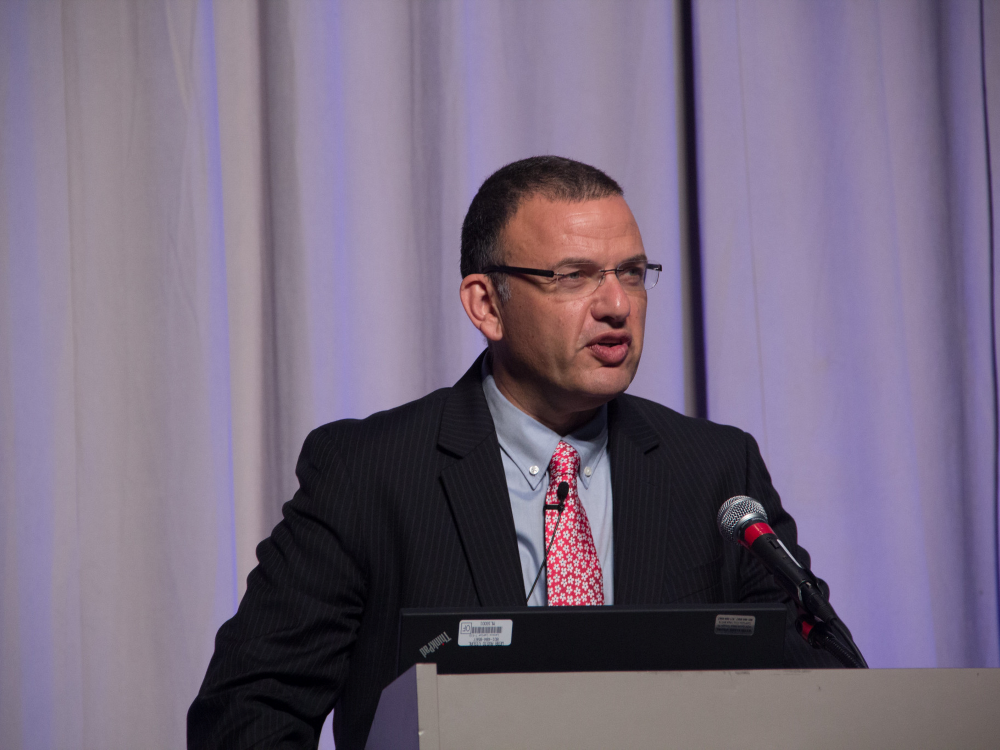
{"x":877,"y":708}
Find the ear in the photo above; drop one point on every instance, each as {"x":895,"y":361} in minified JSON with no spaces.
{"x":481,"y":303}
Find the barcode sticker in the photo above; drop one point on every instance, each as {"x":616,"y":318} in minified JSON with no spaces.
{"x":735,"y":624}
{"x":485,"y":632}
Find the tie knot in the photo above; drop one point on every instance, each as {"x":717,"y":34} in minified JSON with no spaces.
{"x":565,"y":463}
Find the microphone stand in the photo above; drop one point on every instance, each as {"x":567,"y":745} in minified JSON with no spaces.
{"x":818,"y":623}
{"x":833,"y":637}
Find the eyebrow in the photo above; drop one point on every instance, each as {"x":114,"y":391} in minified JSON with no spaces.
{"x":588,"y":261}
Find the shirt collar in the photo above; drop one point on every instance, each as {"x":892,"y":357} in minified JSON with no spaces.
{"x":530,"y":444}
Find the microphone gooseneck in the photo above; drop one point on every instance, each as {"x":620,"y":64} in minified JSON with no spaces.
{"x":742,"y":520}
{"x":562,"y":492}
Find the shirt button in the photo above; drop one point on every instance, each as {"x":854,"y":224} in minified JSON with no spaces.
{"x":533,"y":470}
{"x":587,"y":471}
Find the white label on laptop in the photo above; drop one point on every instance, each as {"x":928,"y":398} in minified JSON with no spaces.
{"x":734,"y":624}
{"x":485,"y":632}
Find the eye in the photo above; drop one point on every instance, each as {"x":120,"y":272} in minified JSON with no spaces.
{"x":633,"y":269}
{"x":577,"y":271}
{"x":577,"y":278}
{"x":632,"y":273}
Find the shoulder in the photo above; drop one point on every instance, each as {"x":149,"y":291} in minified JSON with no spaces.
{"x":683,"y":434}
{"x":409,"y":424}
{"x":668,"y":422}
{"x":707,"y":460}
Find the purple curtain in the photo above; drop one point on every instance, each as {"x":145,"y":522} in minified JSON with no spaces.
{"x":224,"y":223}
{"x":221,"y":225}
{"x":849,"y":278}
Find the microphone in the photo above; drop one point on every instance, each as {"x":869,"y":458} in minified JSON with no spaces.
{"x":743,"y":520}
{"x":561,"y":493}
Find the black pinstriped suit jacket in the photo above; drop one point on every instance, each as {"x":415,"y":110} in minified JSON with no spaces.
{"x":409,"y":508}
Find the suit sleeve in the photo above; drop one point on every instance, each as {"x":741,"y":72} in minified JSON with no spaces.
{"x":756,"y":585}
{"x":280,"y":662}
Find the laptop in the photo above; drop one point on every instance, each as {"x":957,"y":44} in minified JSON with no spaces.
{"x":593,"y":639}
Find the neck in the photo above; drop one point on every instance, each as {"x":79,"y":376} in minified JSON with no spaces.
{"x":537,"y":406}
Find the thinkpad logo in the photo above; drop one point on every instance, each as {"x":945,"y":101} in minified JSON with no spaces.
{"x":431,"y":647}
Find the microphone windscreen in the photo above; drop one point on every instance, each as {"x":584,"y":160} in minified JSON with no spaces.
{"x":736,"y":514}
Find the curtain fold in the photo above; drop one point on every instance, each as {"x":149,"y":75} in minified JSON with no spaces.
{"x":373,"y":126}
{"x":224,"y":224}
{"x":846,"y":217}
{"x":117,"y":529}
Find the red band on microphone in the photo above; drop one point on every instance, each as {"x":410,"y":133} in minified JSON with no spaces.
{"x":754,"y":531}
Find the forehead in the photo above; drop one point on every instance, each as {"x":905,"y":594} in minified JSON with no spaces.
{"x":547,"y":232}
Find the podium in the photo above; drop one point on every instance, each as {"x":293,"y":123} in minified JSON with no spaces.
{"x":877,"y":708}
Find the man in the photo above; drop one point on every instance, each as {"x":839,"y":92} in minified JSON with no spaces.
{"x":440,"y":502}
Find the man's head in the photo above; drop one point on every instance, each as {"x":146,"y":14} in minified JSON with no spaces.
{"x":560,"y":348}
{"x":501,"y":195}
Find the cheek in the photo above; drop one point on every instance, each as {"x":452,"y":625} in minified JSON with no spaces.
{"x":552,"y":334}
{"x":557,"y":334}
{"x":574,"y":332}
{"x":557,"y":326}
{"x":638,"y":319}
{"x":536,"y":332}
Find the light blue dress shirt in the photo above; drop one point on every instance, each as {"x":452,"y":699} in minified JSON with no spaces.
{"x":526,"y":446}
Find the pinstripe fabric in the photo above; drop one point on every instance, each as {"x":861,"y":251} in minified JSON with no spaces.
{"x":409,"y":508}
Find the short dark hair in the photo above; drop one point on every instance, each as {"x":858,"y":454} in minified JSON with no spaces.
{"x":502,"y":193}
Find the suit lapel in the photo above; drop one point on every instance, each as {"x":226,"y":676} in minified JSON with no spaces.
{"x":640,"y":497}
{"x":476,"y":489}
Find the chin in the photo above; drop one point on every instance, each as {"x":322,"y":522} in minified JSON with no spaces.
{"x":606,"y":383}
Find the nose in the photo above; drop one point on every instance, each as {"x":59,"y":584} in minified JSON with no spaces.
{"x":610,"y":301}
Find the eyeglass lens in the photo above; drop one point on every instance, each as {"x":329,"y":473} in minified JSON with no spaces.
{"x":586,"y":278}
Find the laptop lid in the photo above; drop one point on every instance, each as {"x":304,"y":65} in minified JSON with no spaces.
{"x":593,"y":639}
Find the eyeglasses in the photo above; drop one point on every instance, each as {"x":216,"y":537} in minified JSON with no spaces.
{"x":581,"y":279}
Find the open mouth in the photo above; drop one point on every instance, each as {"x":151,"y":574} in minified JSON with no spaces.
{"x":610,"y":349}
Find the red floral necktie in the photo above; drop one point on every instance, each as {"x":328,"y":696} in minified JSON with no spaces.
{"x":574,"y":571}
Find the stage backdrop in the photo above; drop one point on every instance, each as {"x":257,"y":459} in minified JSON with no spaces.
{"x":850,"y":296}
{"x":222,"y":224}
